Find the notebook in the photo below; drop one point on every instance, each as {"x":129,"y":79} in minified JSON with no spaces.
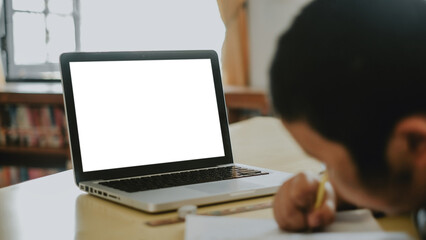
{"x":149,"y":130}
{"x":347,"y":225}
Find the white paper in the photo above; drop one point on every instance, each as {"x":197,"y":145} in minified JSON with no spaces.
{"x":348,"y":225}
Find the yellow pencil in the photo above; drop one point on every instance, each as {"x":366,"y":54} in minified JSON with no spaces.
{"x":321,"y":191}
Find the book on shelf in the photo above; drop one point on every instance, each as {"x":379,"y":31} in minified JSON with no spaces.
{"x":10,"y":175}
{"x":32,"y":126}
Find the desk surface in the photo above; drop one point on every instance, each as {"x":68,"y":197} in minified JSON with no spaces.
{"x":54,"y":208}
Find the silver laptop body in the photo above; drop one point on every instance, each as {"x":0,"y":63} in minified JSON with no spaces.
{"x":144,"y":114}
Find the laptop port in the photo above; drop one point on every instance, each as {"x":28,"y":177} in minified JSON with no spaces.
{"x":112,"y":196}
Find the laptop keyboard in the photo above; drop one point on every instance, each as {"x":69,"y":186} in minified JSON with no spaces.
{"x":181,"y":178}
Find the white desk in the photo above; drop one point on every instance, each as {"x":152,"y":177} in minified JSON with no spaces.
{"x":54,"y":208}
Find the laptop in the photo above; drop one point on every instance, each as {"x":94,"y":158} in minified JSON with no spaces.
{"x":149,"y":130}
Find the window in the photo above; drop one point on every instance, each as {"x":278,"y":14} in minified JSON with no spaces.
{"x":38,"y":31}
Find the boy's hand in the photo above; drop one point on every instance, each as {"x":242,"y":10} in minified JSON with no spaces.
{"x":294,"y":204}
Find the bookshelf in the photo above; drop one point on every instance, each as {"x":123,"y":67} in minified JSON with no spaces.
{"x":33,"y":134}
{"x":28,"y":97}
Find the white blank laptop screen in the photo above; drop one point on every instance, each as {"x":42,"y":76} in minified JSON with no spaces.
{"x":132,"y":113}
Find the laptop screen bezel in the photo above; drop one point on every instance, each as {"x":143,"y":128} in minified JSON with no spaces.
{"x":80,"y":176}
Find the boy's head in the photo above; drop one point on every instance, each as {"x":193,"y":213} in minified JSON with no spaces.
{"x":353,"y":71}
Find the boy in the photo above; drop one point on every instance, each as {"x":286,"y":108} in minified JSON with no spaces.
{"x":349,"y":82}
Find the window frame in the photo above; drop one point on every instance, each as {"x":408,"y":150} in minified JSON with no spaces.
{"x":3,"y":36}
{"x":13,"y":71}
